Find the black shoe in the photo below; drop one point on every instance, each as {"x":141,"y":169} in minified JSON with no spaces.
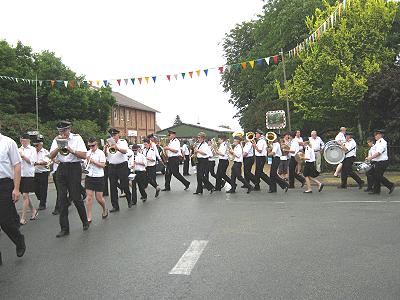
{"x":257,"y":188}
{"x":249,"y":189}
{"x":360,"y":186}
{"x":368,"y":190}
{"x":86,"y":226}
{"x":231,"y":191}
{"x":114,"y":210}
{"x":134,"y":202}
{"x":212,"y":190}
{"x":62,"y":233}
{"x":130,"y":204}
{"x":243,"y":187}
{"x":41,"y":207}
{"x":391,"y":189}
{"x":157,"y":192}
{"x":187,"y":186}
{"x":303,"y":183}
{"x":271,"y":192}
{"x":286,"y":188}
{"x":104,"y":216}
{"x":55,"y":213}
{"x":223,"y":183}
{"x":198,"y":193}
{"x":166,"y":190}
{"x":21,"y":248}
{"x":143,"y":199}
{"x":217,"y":190}
{"x":321,"y":187}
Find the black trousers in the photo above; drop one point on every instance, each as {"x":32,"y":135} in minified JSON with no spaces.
{"x":347,"y":170}
{"x":379,"y":179}
{"x":247,"y":165}
{"x":134,"y":191}
{"x":211,"y":169}
{"x":8,"y":221}
{"x":274,"y":177}
{"x":173,"y":166}
{"x":293,"y":174}
{"x":201,"y":175}
{"x":151,"y":174}
{"x":41,"y":187}
{"x":119,"y":172}
{"x":221,"y":173}
{"x":69,"y":187}
{"x":236,"y":173}
{"x":186,"y":165}
{"x":370,"y":179}
{"x":260,"y":163}
{"x":105,"y":191}
{"x":58,"y":205}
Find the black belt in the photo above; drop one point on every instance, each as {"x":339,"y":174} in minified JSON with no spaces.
{"x":2,"y":180}
{"x":118,"y":165}
{"x":72,"y":163}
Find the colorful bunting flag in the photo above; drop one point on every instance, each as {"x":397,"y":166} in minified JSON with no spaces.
{"x":244,"y":65}
{"x":206,"y":72}
{"x":251,"y":63}
{"x":191,"y":74}
{"x":154,"y":78}
{"x":140,"y":80}
{"x":198,"y":73}
{"x":52,"y":83}
{"x":176,"y":76}
{"x":147,"y":79}
{"x":126,"y":81}
{"x":105,"y":82}
{"x":169,"y":77}
{"x":221,"y":70}
{"x":71,"y":84}
{"x":133,"y":81}
{"x":183,"y":75}
{"x":267,"y":60}
{"x":119,"y":81}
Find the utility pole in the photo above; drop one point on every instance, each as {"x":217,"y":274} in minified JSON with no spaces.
{"x":286,"y":90}
{"x":37,"y":106}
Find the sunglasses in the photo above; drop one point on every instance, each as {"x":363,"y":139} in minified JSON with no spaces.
{"x":92,"y":145}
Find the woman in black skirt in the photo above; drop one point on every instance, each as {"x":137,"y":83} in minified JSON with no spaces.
{"x":94,"y":181}
{"x":29,"y":157}
{"x":310,"y":172}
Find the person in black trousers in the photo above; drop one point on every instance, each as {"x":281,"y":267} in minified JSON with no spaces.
{"x":10,"y":177}
{"x":201,"y":150}
{"x":42,"y":171}
{"x":69,"y":174}
{"x":223,"y":163}
{"x":211,"y":160}
{"x":370,"y":173}
{"x":186,"y":155}
{"x":248,"y":161}
{"x":294,"y":149}
{"x":261,"y":155}
{"x":276,"y":160}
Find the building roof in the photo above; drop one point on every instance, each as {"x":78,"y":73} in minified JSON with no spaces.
{"x":190,"y":130}
{"x":129,"y":102}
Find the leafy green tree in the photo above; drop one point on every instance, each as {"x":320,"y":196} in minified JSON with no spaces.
{"x":177,"y":120}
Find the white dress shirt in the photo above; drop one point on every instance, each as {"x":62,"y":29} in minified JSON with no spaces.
{"x":381,"y":147}
{"x":97,"y":156}
{"x":28,"y":169}
{"x":351,"y":147}
{"x":175,"y":145}
{"x":138,"y":158}
{"x":223,"y":149}
{"x":261,"y":145}
{"x":150,"y":156}
{"x":203,"y":147}
{"x":76,"y":143}
{"x":294,"y":146}
{"x":211,"y":154}
{"x":9,"y":157}
{"x":238,"y":153}
{"x":340,"y":137}
{"x":299,"y":140}
{"x":248,"y":149}
{"x":185,"y":149}
{"x":276,"y":148}
{"x":372,"y":150}
{"x":42,"y":156}
{"x":309,"y":153}
{"x":317,"y":144}
{"x":118,"y":157}
{"x":154,"y":147}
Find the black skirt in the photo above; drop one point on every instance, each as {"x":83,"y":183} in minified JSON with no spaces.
{"x":94,"y":183}
{"x":27,"y":185}
{"x":310,"y":170}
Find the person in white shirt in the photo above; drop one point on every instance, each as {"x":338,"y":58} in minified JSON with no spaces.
{"x":201,"y":150}
{"x":370,"y":173}
{"x":340,"y":139}
{"x":186,"y":155}
{"x":293,"y":173}
{"x":283,"y":169}
{"x":151,"y":159}
{"x":10,"y":177}
{"x":310,"y":171}
{"x":276,"y":154}
{"x":350,"y":148}
{"x":260,"y":150}
{"x":299,"y":140}
{"x":94,"y":180}
{"x":29,"y":158}
{"x":380,"y":161}
{"x":118,"y":170}
{"x":173,"y":151}
{"x":42,"y":171}
{"x":69,"y":174}
{"x":318,"y":145}
{"x":212,"y":157}
{"x":248,"y":161}
{"x":223,"y":163}
{"x":236,"y":170}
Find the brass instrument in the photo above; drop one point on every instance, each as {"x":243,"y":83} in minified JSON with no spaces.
{"x":251,"y":137}
{"x":285,"y":148}
{"x":299,"y":157}
{"x":111,"y":149}
{"x":62,"y":145}
{"x":214,"y":144}
{"x":194,"y":155}
{"x":238,"y":133}
{"x":228,"y":150}
{"x":163,"y":153}
{"x":271,"y":136}
{"x":88,"y":165}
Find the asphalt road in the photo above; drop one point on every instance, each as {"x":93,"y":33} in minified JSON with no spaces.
{"x":338,"y":244}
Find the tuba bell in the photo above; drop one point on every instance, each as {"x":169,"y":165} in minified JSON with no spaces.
{"x":62,"y":145}
{"x":271,"y":136}
{"x":250,"y":136}
{"x":238,"y":133}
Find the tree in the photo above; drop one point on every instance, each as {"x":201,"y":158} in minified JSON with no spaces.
{"x":177,"y":120}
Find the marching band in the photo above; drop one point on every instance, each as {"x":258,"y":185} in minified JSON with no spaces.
{"x":292,"y":158}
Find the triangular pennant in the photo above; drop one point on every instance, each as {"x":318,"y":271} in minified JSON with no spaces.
{"x":133,"y":81}
{"x":59,"y":83}
{"x":169,"y":77}
{"x":251,"y":62}
{"x":71,"y":84}
{"x":98,"y":82}
{"x":79,"y":83}
{"x":244,"y":65}
{"x":206,"y":72}
{"x":40,"y":82}
{"x":119,"y":81}
{"x":154,"y":78}
{"x":147,"y":79}
{"x":65,"y":83}
{"x":105,"y":82}
{"x":126,"y":80}
{"x":183,"y":75}
{"x":16,"y":80}
{"x":267,"y":60}
{"x":191,"y":74}
{"x":324,"y":28}
{"x":221,"y":70}
{"x":198,"y":73}
{"x":228,"y":68}
{"x":84,"y":83}
{"x":140,"y":80}
{"x":259,"y":61}
{"x":52,"y":83}
{"x":90,"y":82}
{"x":176,"y":76}
{"x":276,"y":59}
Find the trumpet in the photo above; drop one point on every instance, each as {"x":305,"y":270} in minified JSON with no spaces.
{"x":62,"y":145}
{"x":111,"y":143}
{"x":86,"y":171}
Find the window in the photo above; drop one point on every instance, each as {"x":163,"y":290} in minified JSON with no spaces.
{"x":128,"y":113}
{"x":115,"y":114}
{"x":121,"y":113}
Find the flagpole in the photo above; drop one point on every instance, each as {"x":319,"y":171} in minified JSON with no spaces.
{"x":37,"y":104}
{"x":286,"y":90}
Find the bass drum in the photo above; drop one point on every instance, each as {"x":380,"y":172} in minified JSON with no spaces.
{"x":333,"y":153}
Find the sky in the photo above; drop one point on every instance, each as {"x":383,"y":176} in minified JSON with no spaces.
{"x":124,"y":39}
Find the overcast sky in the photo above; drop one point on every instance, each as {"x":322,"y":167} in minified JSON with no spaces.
{"x":124,"y":39}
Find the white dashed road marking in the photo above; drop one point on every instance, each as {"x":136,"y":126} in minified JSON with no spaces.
{"x":188,"y":260}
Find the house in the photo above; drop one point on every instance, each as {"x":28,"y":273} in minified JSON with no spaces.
{"x":133,"y":119}
{"x":188,"y":131}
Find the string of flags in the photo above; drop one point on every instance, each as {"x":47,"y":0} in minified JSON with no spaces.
{"x":250,"y":64}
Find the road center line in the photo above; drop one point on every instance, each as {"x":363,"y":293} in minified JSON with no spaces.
{"x":188,"y":260}
{"x":355,"y":201}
